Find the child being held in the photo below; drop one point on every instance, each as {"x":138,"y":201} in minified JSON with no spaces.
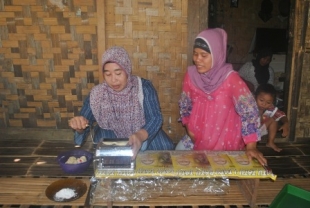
{"x":265,"y":96}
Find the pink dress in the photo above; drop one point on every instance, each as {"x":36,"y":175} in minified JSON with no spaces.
{"x":225,"y":119}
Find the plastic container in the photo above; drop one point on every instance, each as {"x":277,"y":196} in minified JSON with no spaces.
{"x":74,"y":168}
{"x":291,"y":197}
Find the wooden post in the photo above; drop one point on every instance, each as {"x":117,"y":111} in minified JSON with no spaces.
{"x":198,"y":20}
{"x":100,"y":33}
{"x":298,"y":52}
{"x":248,"y":188}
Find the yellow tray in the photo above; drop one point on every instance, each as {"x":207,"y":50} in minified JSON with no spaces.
{"x":191,"y":164}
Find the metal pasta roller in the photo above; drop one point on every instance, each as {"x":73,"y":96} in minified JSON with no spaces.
{"x":113,"y":154}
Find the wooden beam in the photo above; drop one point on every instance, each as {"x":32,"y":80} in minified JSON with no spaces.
{"x":101,"y":44}
{"x":298,"y":52}
{"x":197,"y":21}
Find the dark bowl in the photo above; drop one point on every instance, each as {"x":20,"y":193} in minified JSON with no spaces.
{"x":74,"y":168}
{"x":78,"y":186}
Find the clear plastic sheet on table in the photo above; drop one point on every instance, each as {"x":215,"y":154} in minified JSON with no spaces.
{"x":141,"y":189}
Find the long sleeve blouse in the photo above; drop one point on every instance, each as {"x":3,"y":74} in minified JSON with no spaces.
{"x":152,"y":113}
{"x":226,"y":119}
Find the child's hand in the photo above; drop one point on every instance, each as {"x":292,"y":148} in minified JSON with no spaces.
{"x":285,"y":128}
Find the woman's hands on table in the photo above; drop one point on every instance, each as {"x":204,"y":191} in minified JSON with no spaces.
{"x":78,"y":123}
{"x":252,"y":152}
{"x":136,"y":140}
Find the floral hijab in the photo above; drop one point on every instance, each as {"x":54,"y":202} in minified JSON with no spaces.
{"x":118,"y":111}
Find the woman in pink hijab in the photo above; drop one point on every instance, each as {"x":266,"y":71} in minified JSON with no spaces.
{"x":216,"y":107}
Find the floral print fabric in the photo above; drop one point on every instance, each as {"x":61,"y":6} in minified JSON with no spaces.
{"x":226,"y":119}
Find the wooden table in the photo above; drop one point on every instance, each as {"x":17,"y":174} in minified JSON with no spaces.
{"x":241,"y":192}
{"x":194,"y":165}
{"x":24,"y":183}
{"x":31,"y":191}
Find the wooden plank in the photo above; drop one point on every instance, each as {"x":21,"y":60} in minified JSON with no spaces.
{"x":31,"y":191}
{"x":37,"y":151}
{"x":234,"y":197}
{"x":35,"y":156}
{"x":197,"y":16}
{"x":101,"y":45}
{"x":249,"y":189}
{"x":268,"y":190}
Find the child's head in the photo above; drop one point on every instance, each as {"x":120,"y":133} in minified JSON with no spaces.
{"x":265,"y":96}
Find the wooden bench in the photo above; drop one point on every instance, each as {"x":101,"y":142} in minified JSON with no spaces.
{"x":24,"y":182}
{"x":31,"y":191}
{"x":235,"y":196}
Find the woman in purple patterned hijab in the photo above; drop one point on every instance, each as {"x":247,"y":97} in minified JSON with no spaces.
{"x":124,"y":106}
{"x":217,"y":109}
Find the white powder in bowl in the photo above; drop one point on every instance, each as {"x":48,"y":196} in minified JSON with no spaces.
{"x":65,"y":193}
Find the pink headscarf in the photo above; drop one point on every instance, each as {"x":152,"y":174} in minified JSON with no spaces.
{"x":211,"y":80}
{"x":118,"y":111}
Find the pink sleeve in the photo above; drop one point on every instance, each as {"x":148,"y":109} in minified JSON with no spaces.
{"x":251,"y":138}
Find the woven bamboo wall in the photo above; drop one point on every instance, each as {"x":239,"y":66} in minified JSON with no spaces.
{"x":303,"y":118}
{"x":155,"y":35}
{"x":303,"y":121}
{"x":48,"y":60}
{"x":49,"y":55}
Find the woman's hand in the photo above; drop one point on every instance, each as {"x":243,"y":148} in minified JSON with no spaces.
{"x":136,"y":140}
{"x":78,"y":123}
{"x":252,"y":152}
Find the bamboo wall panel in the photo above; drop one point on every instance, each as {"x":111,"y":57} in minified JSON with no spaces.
{"x":198,"y":18}
{"x":49,"y":55}
{"x":302,"y":129}
{"x":303,"y":120}
{"x":155,"y":35}
{"x":48,"y":59}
